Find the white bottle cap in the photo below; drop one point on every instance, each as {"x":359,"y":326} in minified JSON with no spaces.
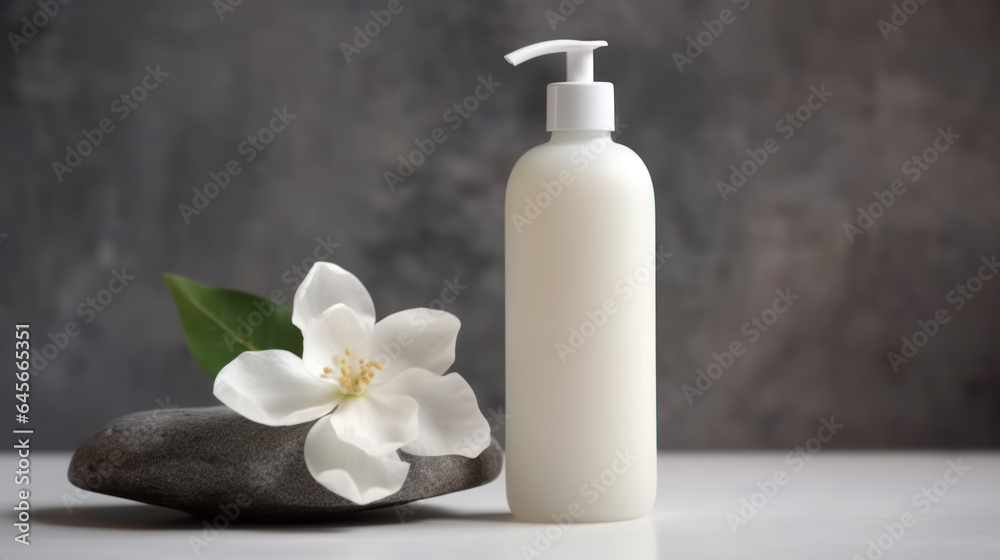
{"x":579,"y":103}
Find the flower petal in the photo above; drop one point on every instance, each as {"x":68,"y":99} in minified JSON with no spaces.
{"x":326,"y":285}
{"x":331,"y":334}
{"x":450,"y":422}
{"x":422,"y":338}
{"x":376,"y":423}
{"x":348,"y":471}
{"x":273,"y":387}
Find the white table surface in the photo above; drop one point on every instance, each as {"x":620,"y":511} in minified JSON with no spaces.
{"x":829,"y":508}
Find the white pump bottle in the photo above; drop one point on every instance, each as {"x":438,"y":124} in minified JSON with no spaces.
{"x":580,"y":311}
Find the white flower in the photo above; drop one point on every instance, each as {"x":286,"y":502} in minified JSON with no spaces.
{"x":375,"y":387}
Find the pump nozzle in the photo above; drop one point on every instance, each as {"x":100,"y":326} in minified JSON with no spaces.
{"x":579,"y":56}
{"x":579,"y":103}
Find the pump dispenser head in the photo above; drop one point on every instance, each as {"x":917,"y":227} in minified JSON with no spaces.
{"x":579,"y":103}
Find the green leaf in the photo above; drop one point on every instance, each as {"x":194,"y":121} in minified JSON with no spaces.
{"x":219,"y":324}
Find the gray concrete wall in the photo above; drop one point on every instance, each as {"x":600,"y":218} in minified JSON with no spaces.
{"x":322,"y":177}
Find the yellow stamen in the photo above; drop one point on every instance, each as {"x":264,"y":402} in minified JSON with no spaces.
{"x":354,"y":379}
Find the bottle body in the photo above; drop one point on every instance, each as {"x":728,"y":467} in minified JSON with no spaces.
{"x":580,"y":332}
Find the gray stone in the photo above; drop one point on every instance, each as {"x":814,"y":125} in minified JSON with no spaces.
{"x":212,"y":461}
